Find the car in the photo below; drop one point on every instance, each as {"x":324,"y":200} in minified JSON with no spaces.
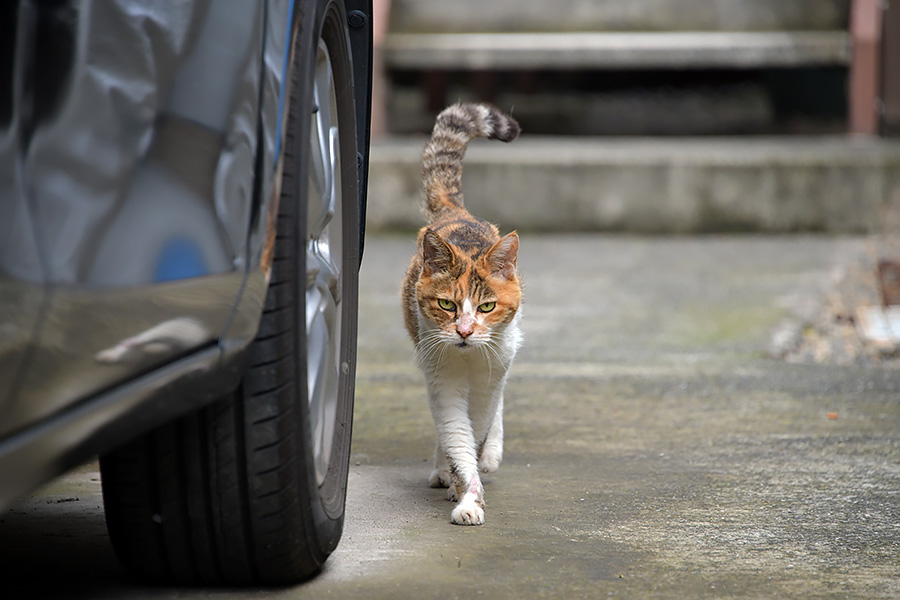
{"x":183,"y":193}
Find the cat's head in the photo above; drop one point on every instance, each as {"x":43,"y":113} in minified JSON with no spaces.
{"x":468,"y":295}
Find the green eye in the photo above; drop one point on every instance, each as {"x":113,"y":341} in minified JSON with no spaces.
{"x":487,"y":307}
{"x":446,"y":304}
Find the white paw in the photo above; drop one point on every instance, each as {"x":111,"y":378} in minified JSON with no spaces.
{"x":490,"y":460}
{"x":467,"y":513}
{"x":440,"y":478}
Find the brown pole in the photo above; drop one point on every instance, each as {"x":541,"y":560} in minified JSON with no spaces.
{"x":865,"y":66}
{"x":890,"y":71}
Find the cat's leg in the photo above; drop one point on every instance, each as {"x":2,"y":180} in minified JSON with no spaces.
{"x":486,"y":411}
{"x":440,"y":476}
{"x":456,"y":438}
{"x":492,"y":449}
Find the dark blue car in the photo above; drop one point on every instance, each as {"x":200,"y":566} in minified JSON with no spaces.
{"x":182,"y":199}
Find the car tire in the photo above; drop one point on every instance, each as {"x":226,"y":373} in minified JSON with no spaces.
{"x":251,"y":489}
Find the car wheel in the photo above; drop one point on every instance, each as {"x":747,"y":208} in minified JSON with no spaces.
{"x":251,"y":489}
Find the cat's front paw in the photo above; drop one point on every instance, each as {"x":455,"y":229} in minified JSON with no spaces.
{"x":467,"y":512}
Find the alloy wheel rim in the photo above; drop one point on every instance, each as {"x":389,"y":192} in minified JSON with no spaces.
{"x":324,"y":262}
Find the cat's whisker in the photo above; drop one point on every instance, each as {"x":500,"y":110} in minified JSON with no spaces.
{"x":494,"y":349}
{"x":431,"y":347}
{"x":424,"y":344}
{"x":490,"y":342}
{"x":428,"y":337}
{"x":435,"y":354}
{"x":484,"y":349}
{"x":428,"y":351}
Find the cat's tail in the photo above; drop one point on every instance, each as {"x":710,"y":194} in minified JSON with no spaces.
{"x":442,"y":160}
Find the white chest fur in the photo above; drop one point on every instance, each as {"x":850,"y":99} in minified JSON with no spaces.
{"x":465,"y":394}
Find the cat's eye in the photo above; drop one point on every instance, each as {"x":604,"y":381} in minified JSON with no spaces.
{"x":487,"y":307}
{"x":446,"y":304}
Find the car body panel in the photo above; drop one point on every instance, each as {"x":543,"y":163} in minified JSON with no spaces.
{"x":35,"y":454}
{"x":22,"y":289}
{"x":138,"y":168}
{"x":138,"y":182}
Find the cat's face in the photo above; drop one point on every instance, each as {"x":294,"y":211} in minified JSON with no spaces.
{"x":467,"y":297}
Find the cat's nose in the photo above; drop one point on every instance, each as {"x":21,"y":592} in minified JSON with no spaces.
{"x":465,"y":326}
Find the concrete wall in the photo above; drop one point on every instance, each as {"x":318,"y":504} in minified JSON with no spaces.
{"x":837,"y":184}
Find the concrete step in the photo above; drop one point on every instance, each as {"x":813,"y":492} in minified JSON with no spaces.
{"x":593,"y":50}
{"x":654,"y":185}
{"x":627,"y":83}
{"x":440,"y":16}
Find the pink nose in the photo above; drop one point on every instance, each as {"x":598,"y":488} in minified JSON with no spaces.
{"x":465,"y":326}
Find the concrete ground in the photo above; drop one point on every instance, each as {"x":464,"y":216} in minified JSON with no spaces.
{"x":653,"y":448}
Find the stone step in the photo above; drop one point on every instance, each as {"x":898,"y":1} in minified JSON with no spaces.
{"x":592,"y":50}
{"x":833,"y":184}
{"x":441,"y":16}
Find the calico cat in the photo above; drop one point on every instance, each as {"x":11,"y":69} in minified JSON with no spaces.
{"x":461,"y":297}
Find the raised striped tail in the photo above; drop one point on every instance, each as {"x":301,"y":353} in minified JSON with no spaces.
{"x":443,"y":156}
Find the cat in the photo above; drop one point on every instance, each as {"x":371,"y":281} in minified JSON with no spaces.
{"x":460,"y":299}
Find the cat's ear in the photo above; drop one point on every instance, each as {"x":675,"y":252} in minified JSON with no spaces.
{"x":437,"y":253}
{"x":501,"y":258}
